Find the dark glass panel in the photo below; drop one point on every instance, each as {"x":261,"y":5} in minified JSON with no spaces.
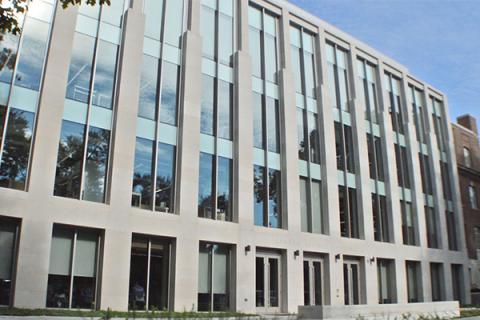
{"x":206,"y":201}
{"x":3,"y":114}
{"x":169,"y":96}
{"x":275,"y":199}
{"x":340,"y":152}
{"x":353,"y":212}
{"x":159,"y":275}
{"x":80,"y":72}
{"x":138,"y":274}
{"x":343,"y":209}
{"x":8,"y":234}
{"x":148,"y":96}
{"x":317,"y":273}
{"x":207,"y":115}
{"x":314,"y":138}
{"x":379,"y":159}
{"x":224,"y":189}
{"x":259,"y":195}
{"x":96,"y":164}
{"x":30,"y":64}
{"x":259,"y":282}
{"x":142,"y":190}
{"x":349,"y":149}
{"x":301,"y":135}
{"x":16,"y":149}
{"x":274,"y":285}
{"x":306,"y":283}
{"x":164,"y":194}
{"x":58,"y":291}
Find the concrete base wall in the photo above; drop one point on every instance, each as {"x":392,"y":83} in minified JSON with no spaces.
{"x":444,"y":309}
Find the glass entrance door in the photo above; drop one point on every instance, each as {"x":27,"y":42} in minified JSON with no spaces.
{"x":351,"y":282}
{"x":312,"y":282}
{"x":267,"y":278}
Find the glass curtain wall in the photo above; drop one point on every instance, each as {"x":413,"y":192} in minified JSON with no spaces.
{"x":302,"y":44}
{"x":216,"y":109}
{"x":22,"y":60}
{"x":74,"y":268}
{"x":84,"y":147}
{"x":9,"y":233}
{"x":264,"y":50}
{"x":157,"y":118}
{"x":214,"y":269}
{"x":150,"y":265}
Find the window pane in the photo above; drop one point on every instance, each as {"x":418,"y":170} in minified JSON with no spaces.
{"x":206,"y":204}
{"x":69,"y":161}
{"x":220,"y":278}
{"x":105,"y":74}
{"x":113,"y":13}
{"x":7,"y":247}
{"x":138,"y":274}
{"x":204,"y":277}
{"x":340,"y":152}
{"x":349,"y":149}
{"x":207,"y":106}
{"x":259,"y":195}
{"x":142,"y":174}
{"x":273,"y":125}
{"x":224,"y":189}
{"x":297,"y":68}
{"x":207,"y":30}
{"x":255,"y":47}
{"x":169,"y":97}
{"x":306,"y":283}
{"x":301,"y":135}
{"x":96,"y":164}
{"x":3,"y":113}
{"x":275,"y":199}
{"x":8,"y":56}
{"x":225,"y":101}
{"x":258,"y":128}
{"x":159,"y":275}
{"x":148,"y":95}
{"x":16,"y":149}
{"x":309,"y":74}
{"x":270,"y":58}
{"x":153,"y":10}
{"x":164,"y":195}
{"x":379,"y":159}
{"x":352,"y":206}
{"x":225,"y":45}
{"x":83,"y":291}
{"x":78,"y":85}
{"x":314,"y":138}
{"x":304,"y":205}
{"x":173,"y":22}
{"x":317,"y":207}
{"x":29,"y":69}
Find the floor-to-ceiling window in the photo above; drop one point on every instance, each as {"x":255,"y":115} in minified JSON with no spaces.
{"x":386,"y":281}
{"x":313,"y":280}
{"x":9,"y":234}
{"x":268,"y":281}
{"x":414,"y":281}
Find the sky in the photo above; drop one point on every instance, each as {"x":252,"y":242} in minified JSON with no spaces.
{"x":437,"y":40}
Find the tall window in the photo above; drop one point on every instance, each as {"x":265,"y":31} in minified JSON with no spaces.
{"x":403,"y":172}
{"x":472,"y":197}
{"x":457,"y":282}
{"x":9,"y":232}
{"x":215,"y":187}
{"x":409,"y":230}
{"x":84,"y":147}
{"x":414,"y":281}
{"x":375,"y":157}
{"x":157,"y":119}
{"x":386,"y":281}
{"x":349,"y":222}
{"x":313,"y":279}
{"x":344,"y":148}
{"x":433,"y":240}
{"x":426,"y":174}
{"x":214,"y":270}
{"x":437,"y":281}
{"x":393,"y":86}
{"x":438,"y":125}
{"x":446,"y":182}
{"x":381,"y":218}
{"x":451,"y":230}
{"x":368,"y":90}
{"x":74,"y":267}
{"x":418,"y":114}
{"x":267,"y":199}
{"x":150,"y":273}
{"x":467,"y":158}
{"x":337,"y":81}
{"x":22,"y":60}
{"x":312,"y":216}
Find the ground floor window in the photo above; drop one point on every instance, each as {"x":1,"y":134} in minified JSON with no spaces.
{"x":72,"y":278}
{"x":414,"y":281}
{"x":268,"y":282}
{"x":457,"y":282}
{"x":214,"y":270}
{"x":150,"y":265}
{"x":386,"y":281}
{"x":352,"y":281}
{"x":436,"y":279}
{"x":9,"y":230}
{"x":313,"y":281}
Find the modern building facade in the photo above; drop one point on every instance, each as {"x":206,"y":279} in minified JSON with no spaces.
{"x":220,"y":155}
{"x":467,"y":149}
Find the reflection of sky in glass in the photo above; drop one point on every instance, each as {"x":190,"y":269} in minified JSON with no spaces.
{"x":224,"y":177}
{"x":78,"y":86}
{"x":258,"y":195}
{"x":225,"y":95}
{"x":206,"y":111}
{"x":143,"y":161}
{"x":148,"y":88}
{"x":105,"y":74}
{"x":168,"y":109}
{"x":8,"y":50}
{"x":205,"y":178}
{"x":165,"y":163}
{"x":274,"y":198}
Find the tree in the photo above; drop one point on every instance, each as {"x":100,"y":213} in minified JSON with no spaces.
{"x":10,"y":10}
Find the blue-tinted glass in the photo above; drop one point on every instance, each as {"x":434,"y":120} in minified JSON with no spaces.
{"x":207,"y":30}
{"x":29,"y":69}
{"x":274,"y":199}
{"x":8,"y":55}
{"x":105,"y":74}
{"x":207,"y":107}
{"x":255,"y":46}
{"x":69,"y":160}
{"x":168,"y":104}
{"x":224,"y":189}
{"x":173,"y":22}
{"x":147,"y":106}
{"x":273,"y":125}
{"x":164,"y":194}
{"x":96,"y":164}
{"x":78,"y":85}
{"x":225,"y":101}
{"x":16,"y":150}
{"x":258,"y":195}
{"x":225,"y":45}
{"x":206,"y":204}
{"x":257,"y":108}
{"x":153,"y":10}
{"x":142,"y":190}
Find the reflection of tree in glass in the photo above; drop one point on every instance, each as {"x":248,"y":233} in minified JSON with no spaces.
{"x":142,"y":184}
{"x":163,"y":192}
{"x":13,"y":168}
{"x":97,"y":157}
{"x":274,"y":189}
{"x":258,"y":185}
{"x":70,"y":154}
